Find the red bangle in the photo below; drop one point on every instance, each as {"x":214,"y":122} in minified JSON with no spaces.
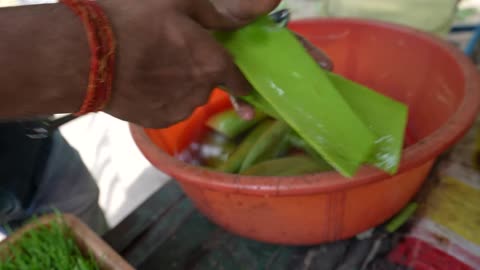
{"x":102,"y":48}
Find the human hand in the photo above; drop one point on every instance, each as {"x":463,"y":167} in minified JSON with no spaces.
{"x":168,"y":62}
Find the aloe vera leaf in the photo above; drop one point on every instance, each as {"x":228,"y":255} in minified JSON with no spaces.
{"x":233,"y":164}
{"x":283,"y":146}
{"x":261,"y":104}
{"x":385,"y":117}
{"x":288,"y":166}
{"x":267,"y":143}
{"x":230,"y":124}
{"x":283,"y":73}
{"x":298,"y":142}
{"x":278,"y":148}
{"x":401,"y":218}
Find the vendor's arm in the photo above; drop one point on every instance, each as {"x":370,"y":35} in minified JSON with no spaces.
{"x":167,"y":61}
{"x":44,"y":61}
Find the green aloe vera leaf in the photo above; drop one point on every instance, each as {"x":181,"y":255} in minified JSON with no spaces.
{"x":283,"y":146}
{"x":284,"y":74}
{"x":297,"y":142}
{"x":234,"y":162}
{"x":288,"y":166}
{"x":278,"y":148}
{"x":230,"y":124}
{"x":401,"y":218}
{"x":267,"y":144}
{"x":385,"y":117}
{"x":261,"y":104}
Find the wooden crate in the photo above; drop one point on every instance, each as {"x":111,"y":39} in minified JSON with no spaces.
{"x":85,"y":238}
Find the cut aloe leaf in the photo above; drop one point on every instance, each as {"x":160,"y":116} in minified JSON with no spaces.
{"x":288,"y":166}
{"x":298,"y":142}
{"x":231,"y":125}
{"x":283,"y":73}
{"x":283,"y":147}
{"x":267,"y":144}
{"x":385,"y":117}
{"x":234,"y":162}
{"x":261,"y":104}
{"x":279,"y":148}
{"x":401,"y":218}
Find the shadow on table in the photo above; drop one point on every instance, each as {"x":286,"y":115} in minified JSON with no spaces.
{"x":167,"y":232}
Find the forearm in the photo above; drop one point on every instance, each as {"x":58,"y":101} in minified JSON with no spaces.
{"x":166,"y":60}
{"x":44,"y":61}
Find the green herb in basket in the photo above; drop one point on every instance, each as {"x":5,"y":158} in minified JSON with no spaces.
{"x":47,"y":247}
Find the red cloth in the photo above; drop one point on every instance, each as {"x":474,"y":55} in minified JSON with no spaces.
{"x":420,"y":255}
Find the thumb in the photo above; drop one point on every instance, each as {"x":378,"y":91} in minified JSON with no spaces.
{"x":229,"y":14}
{"x":244,"y":11}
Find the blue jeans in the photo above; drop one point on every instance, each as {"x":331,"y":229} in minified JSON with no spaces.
{"x":65,"y":185}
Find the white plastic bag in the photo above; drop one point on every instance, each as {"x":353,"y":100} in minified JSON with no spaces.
{"x":434,"y":16}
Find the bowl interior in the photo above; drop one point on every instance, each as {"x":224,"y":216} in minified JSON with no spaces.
{"x":398,"y":64}
{"x":436,"y":81}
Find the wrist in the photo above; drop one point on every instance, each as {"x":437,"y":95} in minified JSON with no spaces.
{"x":101,"y":42}
{"x":72,"y":62}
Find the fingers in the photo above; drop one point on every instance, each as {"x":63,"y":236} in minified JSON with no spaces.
{"x":228,"y":14}
{"x":245,"y":111}
{"x":216,"y":67}
{"x":207,"y":15}
{"x":319,"y":56}
{"x":244,"y":11}
{"x":220,"y":64}
{"x":184,"y":107}
{"x":211,"y":63}
{"x":235,"y":82}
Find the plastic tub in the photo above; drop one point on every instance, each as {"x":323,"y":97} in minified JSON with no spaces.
{"x":437,"y":81}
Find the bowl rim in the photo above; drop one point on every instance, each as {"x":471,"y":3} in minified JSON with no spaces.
{"x":416,"y":155}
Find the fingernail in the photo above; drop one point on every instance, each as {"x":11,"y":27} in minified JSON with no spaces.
{"x":246,"y":112}
{"x":234,"y":102}
{"x":325,"y":65}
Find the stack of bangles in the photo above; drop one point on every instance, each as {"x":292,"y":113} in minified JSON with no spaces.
{"x":101,"y":42}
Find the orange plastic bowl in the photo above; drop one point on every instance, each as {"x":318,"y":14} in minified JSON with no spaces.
{"x":438,"y":83}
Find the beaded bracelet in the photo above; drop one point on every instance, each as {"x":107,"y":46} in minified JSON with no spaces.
{"x":101,"y":42}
